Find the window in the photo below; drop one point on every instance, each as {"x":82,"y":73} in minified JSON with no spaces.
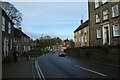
{"x":28,"y":47}
{"x":97,"y":3}
{"x":98,"y":33}
{"x":76,"y":33}
{"x":80,"y":31}
{"x":9,"y":27}
{"x":85,"y":30}
{"x":79,"y":39}
{"x":11,"y":44}
{"x":3,"y":23}
{"x":97,"y":18}
{"x":116,"y":30}
{"x":15,"y":39}
{"x":104,"y":1}
{"x":115,"y":11}
{"x":85,"y":38}
{"x":76,"y":39}
{"x":105,"y":14}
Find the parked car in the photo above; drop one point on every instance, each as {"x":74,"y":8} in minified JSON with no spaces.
{"x":61,"y":54}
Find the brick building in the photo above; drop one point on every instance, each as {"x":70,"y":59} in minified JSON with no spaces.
{"x":104,"y":19}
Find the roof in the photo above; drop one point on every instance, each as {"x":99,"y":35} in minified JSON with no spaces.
{"x":83,"y":25}
{"x":19,"y":33}
{"x":4,"y":14}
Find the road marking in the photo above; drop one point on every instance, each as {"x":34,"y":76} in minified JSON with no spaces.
{"x":37,"y":69}
{"x":40,"y":74}
{"x":90,"y":70}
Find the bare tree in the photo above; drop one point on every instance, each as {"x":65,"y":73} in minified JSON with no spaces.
{"x":12,"y":12}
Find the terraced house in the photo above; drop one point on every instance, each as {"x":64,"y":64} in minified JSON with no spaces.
{"x":22,"y":42}
{"x":104,"y":19}
{"x":7,"y":34}
{"x":81,"y":34}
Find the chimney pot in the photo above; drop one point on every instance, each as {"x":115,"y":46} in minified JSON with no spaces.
{"x":81,"y":21}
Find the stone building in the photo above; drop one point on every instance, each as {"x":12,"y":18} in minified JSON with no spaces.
{"x":7,"y":34}
{"x":21,"y":41}
{"x":104,"y":20}
{"x":81,"y":34}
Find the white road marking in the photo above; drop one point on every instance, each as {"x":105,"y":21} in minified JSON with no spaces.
{"x":37,"y":69}
{"x":40,"y":74}
{"x":90,"y":70}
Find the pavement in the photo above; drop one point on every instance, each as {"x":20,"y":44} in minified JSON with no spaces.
{"x":22,"y":69}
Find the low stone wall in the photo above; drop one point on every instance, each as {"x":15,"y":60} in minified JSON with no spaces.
{"x":107,"y":54}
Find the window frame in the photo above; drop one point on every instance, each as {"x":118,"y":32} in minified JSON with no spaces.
{"x":114,"y":31}
{"x":11,"y":43}
{"x":97,"y":20}
{"x":105,"y":14}
{"x":85,"y":38}
{"x":104,"y":1}
{"x":3,"y":23}
{"x":9,"y":27}
{"x":97,"y":3}
{"x":98,"y":33}
{"x":15,"y":39}
{"x":113,"y":11}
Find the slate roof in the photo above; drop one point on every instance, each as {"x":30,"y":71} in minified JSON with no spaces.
{"x":82,"y":26}
{"x":19,"y":33}
{"x":4,"y":14}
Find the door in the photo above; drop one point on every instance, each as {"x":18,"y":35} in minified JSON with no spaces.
{"x":106,"y":33}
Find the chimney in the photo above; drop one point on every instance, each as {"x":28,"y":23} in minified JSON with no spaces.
{"x":81,"y":21}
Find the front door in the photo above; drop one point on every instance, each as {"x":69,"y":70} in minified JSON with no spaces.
{"x":106,"y":34}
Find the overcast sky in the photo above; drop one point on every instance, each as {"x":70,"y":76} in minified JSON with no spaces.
{"x":56,"y":19}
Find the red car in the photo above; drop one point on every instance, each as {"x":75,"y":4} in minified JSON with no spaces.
{"x":61,"y":54}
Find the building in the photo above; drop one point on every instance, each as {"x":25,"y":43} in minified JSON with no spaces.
{"x":0,"y":44}
{"x":81,"y":34}
{"x":21,"y":41}
{"x":68,"y":43}
{"x":104,"y":19}
{"x":7,"y":35}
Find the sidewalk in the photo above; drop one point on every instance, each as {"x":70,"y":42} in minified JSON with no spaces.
{"x":21,"y":69}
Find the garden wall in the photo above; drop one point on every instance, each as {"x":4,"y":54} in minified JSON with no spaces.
{"x":107,"y":54}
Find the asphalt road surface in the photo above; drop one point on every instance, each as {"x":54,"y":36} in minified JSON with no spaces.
{"x":53,"y":66}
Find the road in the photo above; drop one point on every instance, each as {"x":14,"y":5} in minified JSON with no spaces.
{"x":53,"y":66}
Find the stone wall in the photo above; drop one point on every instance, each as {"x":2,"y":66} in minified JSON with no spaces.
{"x":106,"y":54}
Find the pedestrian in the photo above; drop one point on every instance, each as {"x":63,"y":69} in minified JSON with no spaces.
{"x":15,"y":55}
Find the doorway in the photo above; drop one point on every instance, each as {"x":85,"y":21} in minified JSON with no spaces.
{"x":106,"y":35}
